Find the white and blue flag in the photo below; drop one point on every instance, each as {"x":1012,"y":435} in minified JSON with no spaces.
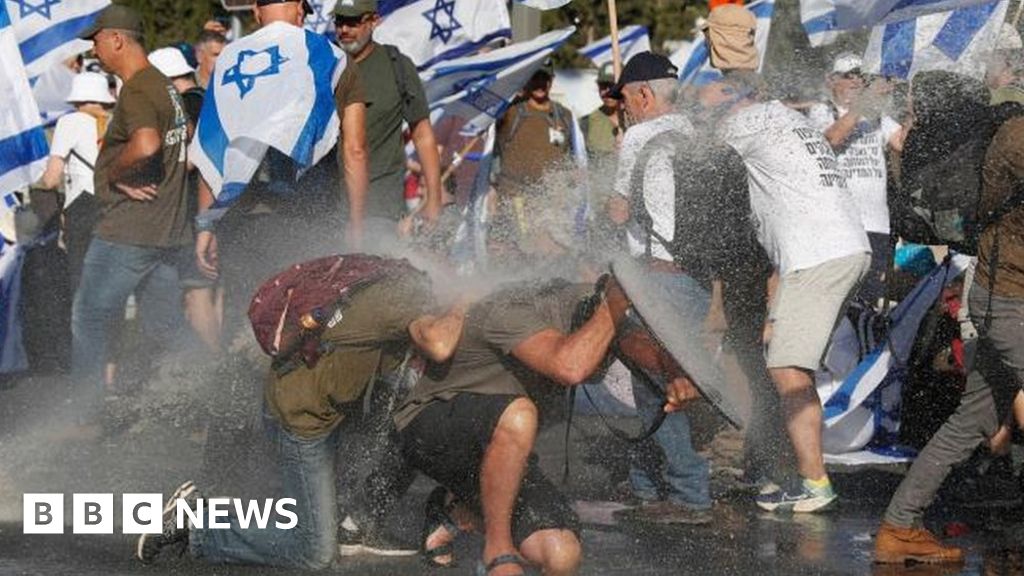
{"x":697,"y":69}
{"x":321,"y":20}
{"x":543,"y":4}
{"x":632,"y":40}
{"x":47,"y":30}
{"x":959,"y":41}
{"x":824,"y":20}
{"x":23,"y":147}
{"x":272,"y":88}
{"x":431,"y":31}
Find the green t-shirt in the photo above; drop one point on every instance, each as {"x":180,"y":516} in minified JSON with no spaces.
{"x":483,"y":362}
{"x":384,"y":117}
{"x":148,"y":100}
{"x":600,"y":132}
{"x":371,"y":338}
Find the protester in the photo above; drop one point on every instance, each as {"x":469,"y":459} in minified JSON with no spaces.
{"x":996,"y":301}
{"x":141,"y":240}
{"x":861,"y":136}
{"x":646,"y":197}
{"x":207,"y":47}
{"x":307,"y":403}
{"x":395,"y":95}
{"x":601,"y":128}
{"x":73,"y":153}
{"x":471,"y":425}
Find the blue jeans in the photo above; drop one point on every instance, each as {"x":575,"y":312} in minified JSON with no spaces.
{"x":110,"y":273}
{"x":686,"y":473}
{"x":307,"y":474}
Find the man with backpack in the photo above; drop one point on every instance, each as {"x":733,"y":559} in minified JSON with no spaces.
{"x":394,"y":96}
{"x":647,"y":199}
{"x":335,"y":327}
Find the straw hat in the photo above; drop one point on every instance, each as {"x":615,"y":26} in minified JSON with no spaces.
{"x":90,"y":87}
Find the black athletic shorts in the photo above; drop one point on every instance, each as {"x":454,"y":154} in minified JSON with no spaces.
{"x":447,"y":440}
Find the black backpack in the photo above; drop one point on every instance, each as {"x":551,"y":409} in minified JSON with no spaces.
{"x":713,"y":230}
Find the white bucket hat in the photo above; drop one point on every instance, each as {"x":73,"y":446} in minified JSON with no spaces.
{"x":90,"y":87}
{"x":170,"y":62}
{"x":847,"y":62}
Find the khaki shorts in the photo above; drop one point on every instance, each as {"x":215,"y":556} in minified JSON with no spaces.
{"x":808,"y":303}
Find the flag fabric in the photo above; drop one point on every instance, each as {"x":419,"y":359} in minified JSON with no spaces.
{"x":632,"y":40}
{"x":272,"y":88}
{"x":321,"y":21}
{"x":51,"y":89}
{"x":23,"y":147}
{"x":12,"y":349}
{"x":47,"y":30}
{"x":960,"y":41}
{"x":825,"y":20}
{"x":543,"y":4}
{"x":697,"y":69}
{"x":849,"y":400}
{"x":431,"y":31}
{"x":820,"y":21}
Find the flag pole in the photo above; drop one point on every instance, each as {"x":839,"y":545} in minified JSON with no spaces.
{"x":613,"y":21}
{"x":460,"y":157}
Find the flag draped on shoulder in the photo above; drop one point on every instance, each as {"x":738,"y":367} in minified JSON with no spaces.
{"x":480,"y":88}
{"x":47,"y":30}
{"x":632,"y":40}
{"x":431,"y":31}
{"x":23,"y":147}
{"x":272,"y":88}
{"x":697,"y":69}
{"x":825,"y":20}
{"x":960,"y":41}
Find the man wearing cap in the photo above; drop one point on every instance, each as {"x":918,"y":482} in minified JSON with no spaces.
{"x":645,"y":202}
{"x":143,"y":235}
{"x":73,"y":153}
{"x":395,"y":95}
{"x":861,"y":137}
{"x":601,"y":128}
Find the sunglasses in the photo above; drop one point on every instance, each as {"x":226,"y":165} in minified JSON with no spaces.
{"x":351,"y":21}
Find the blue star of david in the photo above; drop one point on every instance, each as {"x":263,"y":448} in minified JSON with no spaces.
{"x":27,"y":8}
{"x":317,"y":19}
{"x":438,"y":28}
{"x":247,"y":82}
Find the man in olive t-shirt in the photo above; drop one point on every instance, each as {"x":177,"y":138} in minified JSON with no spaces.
{"x":142,"y":237}
{"x":394,"y":95}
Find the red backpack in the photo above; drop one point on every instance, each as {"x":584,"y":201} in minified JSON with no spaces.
{"x":291,"y":310}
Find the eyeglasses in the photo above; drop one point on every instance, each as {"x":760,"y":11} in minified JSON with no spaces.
{"x":351,"y":21}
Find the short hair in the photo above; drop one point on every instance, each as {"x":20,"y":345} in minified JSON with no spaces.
{"x":210,"y":36}
{"x":665,"y":89}
{"x":134,"y":36}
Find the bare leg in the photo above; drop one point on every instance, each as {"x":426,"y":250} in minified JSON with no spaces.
{"x":202,"y":311}
{"x":999,"y":444}
{"x":501,"y":474}
{"x":557,"y":552}
{"x":803,"y":418}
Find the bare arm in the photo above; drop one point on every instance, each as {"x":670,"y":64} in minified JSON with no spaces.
{"x":357,"y":172}
{"x":839,"y":132}
{"x":426,"y":148}
{"x":437,"y":336}
{"x":54,"y":173}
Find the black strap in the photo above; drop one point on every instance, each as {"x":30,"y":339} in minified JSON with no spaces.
{"x":82,"y":160}
{"x":399,"y":71}
{"x":637,"y":205}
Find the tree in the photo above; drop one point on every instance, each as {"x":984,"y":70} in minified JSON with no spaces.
{"x":169,"y":22}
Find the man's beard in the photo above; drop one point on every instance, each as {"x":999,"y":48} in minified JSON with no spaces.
{"x":353,"y":48}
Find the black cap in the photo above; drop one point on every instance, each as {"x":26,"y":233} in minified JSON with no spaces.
{"x":306,"y":6}
{"x":644,"y":67}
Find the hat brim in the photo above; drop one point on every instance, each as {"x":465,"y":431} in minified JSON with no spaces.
{"x":615,"y":92}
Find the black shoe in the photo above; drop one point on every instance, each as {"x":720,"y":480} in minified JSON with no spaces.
{"x":375,"y":542}
{"x":149,"y":546}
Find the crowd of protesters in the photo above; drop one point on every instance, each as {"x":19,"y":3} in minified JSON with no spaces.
{"x":760,"y":218}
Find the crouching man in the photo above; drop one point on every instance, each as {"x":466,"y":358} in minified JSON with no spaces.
{"x":470,"y":423}
{"x":387,"y":308}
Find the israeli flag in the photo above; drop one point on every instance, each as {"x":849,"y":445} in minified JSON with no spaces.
{"x":47,"y":30}
{"x":632,"y":40}
{"x":957,"y":41}
{"x":12,"y":349}
{"x":23,"y":147}
{"x":321,"y":21}
{"x":825,"y":20}
{"x":431,"y":31}
{"x":543,"y":4}
{"x":272,"y":88}
{"x":697,"y":69}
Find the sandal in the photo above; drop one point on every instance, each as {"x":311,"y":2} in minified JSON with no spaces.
{"x":501,"y":560}
{"x":437,"y":516}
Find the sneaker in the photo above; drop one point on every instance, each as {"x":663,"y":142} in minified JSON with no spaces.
{"x":895,"y":545}
{"x":803,"y":499}
{"x":149,"y":546}
{"x":354,"y":542}
{"x":664,"y":512}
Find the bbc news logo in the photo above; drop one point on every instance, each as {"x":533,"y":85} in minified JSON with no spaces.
{"x":143,"y":513}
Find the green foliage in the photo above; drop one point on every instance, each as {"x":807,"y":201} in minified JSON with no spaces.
{"x":167,"y":22}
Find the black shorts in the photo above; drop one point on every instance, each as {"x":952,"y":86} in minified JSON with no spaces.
{"x":447,"y":440}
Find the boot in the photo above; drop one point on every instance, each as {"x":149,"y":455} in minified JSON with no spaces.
{"x":895,"y":545}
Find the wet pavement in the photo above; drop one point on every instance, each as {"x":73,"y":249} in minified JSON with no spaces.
{"x":40,"y":453}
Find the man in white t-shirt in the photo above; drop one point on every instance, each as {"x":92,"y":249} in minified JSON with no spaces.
{"x":812,"y":232}
{"x":861,"y":137}
{"x":645,"y":202}
{"x":73,"y":153}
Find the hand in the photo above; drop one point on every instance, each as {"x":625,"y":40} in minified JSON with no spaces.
{"x":206,"y":254}
{"x":429,"y":215}
{"x":145,"y":193}
{"x":679,"y":392}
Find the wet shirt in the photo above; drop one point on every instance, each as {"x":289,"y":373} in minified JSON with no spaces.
{"x":147,"y":100}
{"x":532,"y":141}
{"x":862,"y":162}
{"x":1002,"y":193}
{"x":370,"y":337}
{"x":799,"y":199}
{"x":483,"y":362}
{"x":600,"y":133}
